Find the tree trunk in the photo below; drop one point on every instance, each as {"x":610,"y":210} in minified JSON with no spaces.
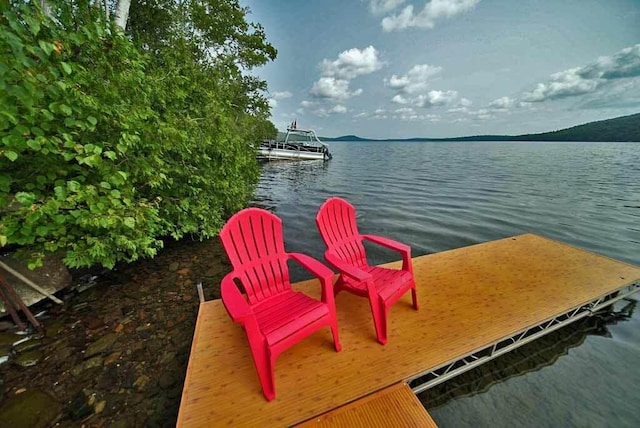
{"x":122,"y":13}
{"x":46,"y":9}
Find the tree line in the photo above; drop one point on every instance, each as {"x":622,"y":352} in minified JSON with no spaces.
{"x":114,"y":136}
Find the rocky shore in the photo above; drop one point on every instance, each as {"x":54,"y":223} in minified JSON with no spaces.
{"x":115,"y":353}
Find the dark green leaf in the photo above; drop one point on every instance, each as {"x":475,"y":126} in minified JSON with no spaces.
{"x":5,"y":183}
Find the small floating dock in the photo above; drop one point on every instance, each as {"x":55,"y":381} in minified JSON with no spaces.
{"x":476,"y":303}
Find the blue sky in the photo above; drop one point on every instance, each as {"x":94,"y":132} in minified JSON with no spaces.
{"x":444,"y":68}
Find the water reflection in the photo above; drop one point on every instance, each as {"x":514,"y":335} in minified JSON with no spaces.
{"x":280,"y":179}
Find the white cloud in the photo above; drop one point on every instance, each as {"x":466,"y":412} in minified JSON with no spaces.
{"x":458,"y":110}
{"x":429,"y":99}
{"x":416,"y":80}
{"x":503,"y":103}
{"x":330,"y":87}
{"x":625,"y":63}
{"x":337,"y":109}
{"x":412,"y":89}
{"x":399,"y":99}
{"x":436,"y":98}
{"x":481,"y":114}
{"x":409,"y":115}
{"x":379,"y":7}
{"x":601,"y":75}
{"x":273,"y":98}
{"x":427,"y":17}
{"x":336,"y":75}
{"x":306,"y":103}
{"x":352,"y":63}
{"x":281,"y":95}
{"x":563,"y":84}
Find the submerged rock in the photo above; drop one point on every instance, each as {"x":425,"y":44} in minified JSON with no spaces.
{"x":53,"y":328}
{"x":101,"y":345}
{"x":81,"y":406}
{"x":93,"y":362}
{"x":9,"y":338}
{"x":32,"y":408}
{"x":29,"y":358}
{"x":4,"y":350}
{"x":27,"y":345}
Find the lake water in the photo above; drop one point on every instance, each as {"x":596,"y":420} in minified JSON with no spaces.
{"x":439,"y":196}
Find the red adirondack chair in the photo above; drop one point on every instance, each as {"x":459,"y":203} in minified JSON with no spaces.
{"x":274,"y":316}
{"x":336,"y":222}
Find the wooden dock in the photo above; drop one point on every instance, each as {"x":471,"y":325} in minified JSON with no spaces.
{"x":393,"y":407}
{"x":472,"y":299}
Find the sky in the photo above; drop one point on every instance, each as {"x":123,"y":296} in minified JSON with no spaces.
{"x":448,"y":68}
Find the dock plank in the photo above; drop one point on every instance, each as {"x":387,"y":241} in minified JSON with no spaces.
{"x":393,"y":407}
{"x":469,"y":297}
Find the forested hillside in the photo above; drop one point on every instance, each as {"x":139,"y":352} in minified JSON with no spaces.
{"x":625,"y":128}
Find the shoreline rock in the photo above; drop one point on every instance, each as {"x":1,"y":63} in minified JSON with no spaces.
{"x":115,"y":353}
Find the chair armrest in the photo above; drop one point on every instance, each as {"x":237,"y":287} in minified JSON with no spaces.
{"x":312,"y":265}
{"x":323,"y":273}
{"x":401,"y":248}
{"x":388,"y":243}
{"x":346,"y":268}
{"x":232,"y":299}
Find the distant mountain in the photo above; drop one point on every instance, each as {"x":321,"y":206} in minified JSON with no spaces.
{"x":625,"y":128}
{"x":347,"y":138}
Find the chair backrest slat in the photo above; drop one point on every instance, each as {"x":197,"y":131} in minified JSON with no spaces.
{"x":336,"y":222}
{"x":276,"y":269}
{"x":254,"y":242}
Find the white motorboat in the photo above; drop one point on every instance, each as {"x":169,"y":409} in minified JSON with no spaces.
{"x":298,"y":144}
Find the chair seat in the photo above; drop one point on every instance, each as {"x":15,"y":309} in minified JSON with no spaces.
{"x":284,"y":314}
{"x":387,"y":281}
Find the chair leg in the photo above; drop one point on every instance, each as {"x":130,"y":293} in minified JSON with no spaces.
{"x":336,"y":339}
{"x":265,"y":363}
{"x":414,"y":296}
{"x":384,"y":311}
{"x":379,"y":319}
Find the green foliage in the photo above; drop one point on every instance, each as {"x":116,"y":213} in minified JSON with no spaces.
{"x":105,"y":146}
{"x":209,"y":109}
{"x":71,"y":106}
